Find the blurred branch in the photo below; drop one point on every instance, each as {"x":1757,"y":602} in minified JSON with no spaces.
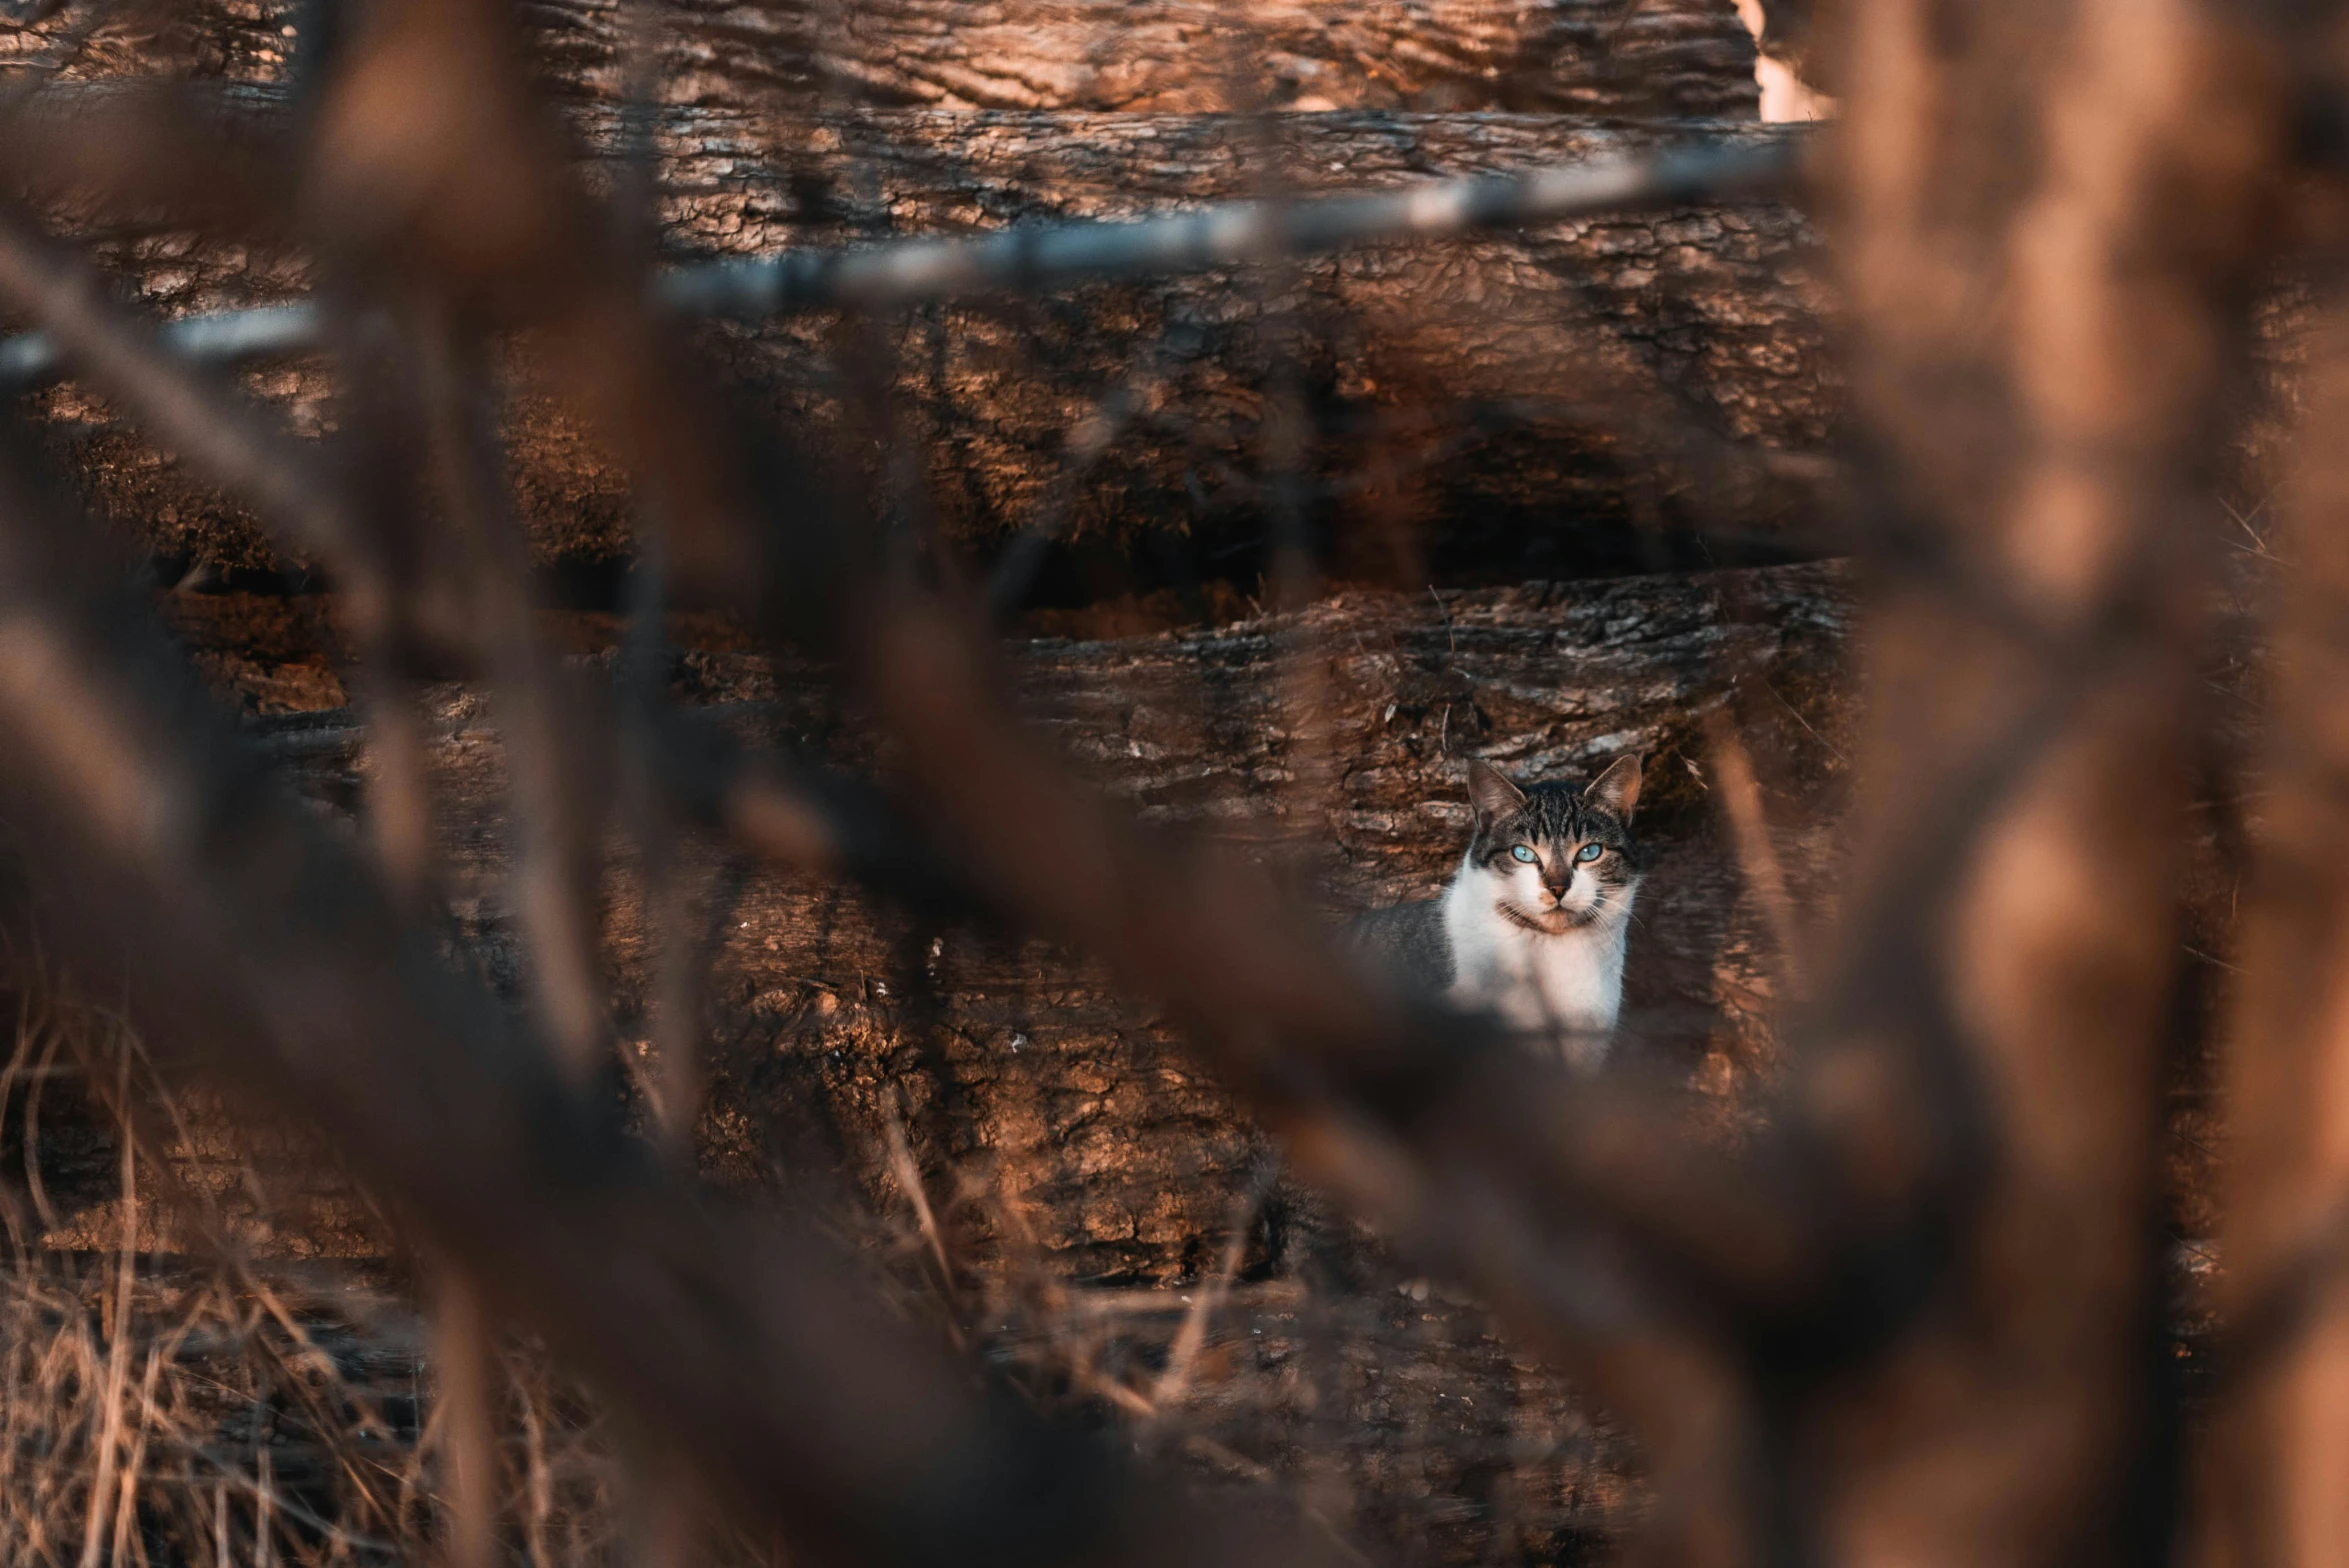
{"x":2283,"y":1440}
{"x":227,"y":338}
{"x":219,"y":431}
{"x":1034,"y":258}
{"x":554,"y":778}
{"x":1230,"y":234}
{"x":1740,"y":796}
{"x":2052,"y":457}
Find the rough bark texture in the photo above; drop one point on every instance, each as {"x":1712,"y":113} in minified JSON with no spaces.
{"x":1652,"y":57}
{"x":1011,"y":1054}
{"x":1525,"y":403}
{"x":239,"y":40}
{"x":1644,"y":58}
{"x":1133,"y":1158}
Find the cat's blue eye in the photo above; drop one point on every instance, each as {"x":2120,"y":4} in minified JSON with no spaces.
{"x":1525,"y":853}
{"x":1590,"y":852}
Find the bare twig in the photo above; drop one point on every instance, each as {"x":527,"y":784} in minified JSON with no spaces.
{"x":1740,"y":794}
{"x":225,"y":338}
{"x":1181,"y":1356}
{"x":466,"y":1368}
{"x":908,"y":1176}
{"x":110,"y":1437}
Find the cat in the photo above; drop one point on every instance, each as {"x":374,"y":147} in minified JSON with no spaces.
{"x":1534,"y":924}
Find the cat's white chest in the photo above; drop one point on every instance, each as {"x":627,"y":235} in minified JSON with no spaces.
{"x":1570,"y":984}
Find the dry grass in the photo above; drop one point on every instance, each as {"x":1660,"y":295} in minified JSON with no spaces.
{"x":195,"y":1415}
{"x":207,"y":1406}
{"x":173,"y":1392}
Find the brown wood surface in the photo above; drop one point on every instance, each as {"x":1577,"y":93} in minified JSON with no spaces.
{"x":1527,"y":403}
{"x":1642,"y":58}
{"x":1010,"y":1054}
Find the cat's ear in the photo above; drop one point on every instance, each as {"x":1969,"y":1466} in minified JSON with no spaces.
{"x":1617,"y":789}
{"x":1490,"y":791}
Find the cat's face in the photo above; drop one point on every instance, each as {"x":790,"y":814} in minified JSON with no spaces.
{"x":1557,"y":856}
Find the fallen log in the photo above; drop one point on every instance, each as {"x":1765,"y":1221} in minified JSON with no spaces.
{"x":1011,"y":1056}
{"x":1651,"y":58}
{"x":1531,"y":402}
{"x":1669,"y":58}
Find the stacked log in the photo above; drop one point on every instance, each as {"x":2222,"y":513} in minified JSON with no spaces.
{"x":1526,"y":403}
{"x":1648,"y":58}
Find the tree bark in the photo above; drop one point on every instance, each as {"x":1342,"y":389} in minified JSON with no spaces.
{"x":1663,"y":58}
{"x":1019,"y":1054}
{"x":1654,"y":57}
{"x":1535,"y":403}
